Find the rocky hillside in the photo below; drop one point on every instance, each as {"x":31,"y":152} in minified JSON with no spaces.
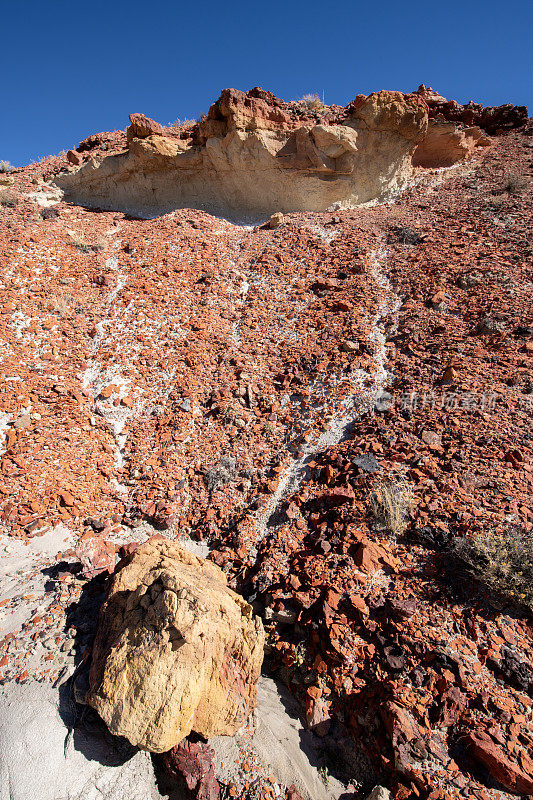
{"x":333,"y":406}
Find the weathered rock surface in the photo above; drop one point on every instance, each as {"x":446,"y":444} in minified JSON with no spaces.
{"x":192,"y":763}
{"x":141,"y":127}
{"x":446,"y":143}
{"x":96,"y":555}
{"x":499,"y":765}
{"x":176,"y":651}
{"x":254,"y":155}
{"x":214,"y":327}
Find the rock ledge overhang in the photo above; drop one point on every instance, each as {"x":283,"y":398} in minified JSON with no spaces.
{"x":254,"y":154}
{"x":251,"y":156}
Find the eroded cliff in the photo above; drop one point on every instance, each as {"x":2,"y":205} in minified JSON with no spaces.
{"x":254,"y":154}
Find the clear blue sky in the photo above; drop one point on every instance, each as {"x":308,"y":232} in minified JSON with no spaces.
{"x":73,"y":68}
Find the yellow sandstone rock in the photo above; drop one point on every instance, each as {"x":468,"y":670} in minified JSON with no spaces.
{"x":176,"y":650}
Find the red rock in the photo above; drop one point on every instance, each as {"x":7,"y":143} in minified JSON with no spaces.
{"x":432,"y":439}
{"x":74,"y":158}
{"x":318,"y":716}
{"x":193,"y":763}
{"x":324,"y":285}
{"x":448,"y":376}
{"x":339,"y":497}
{"x":358,"y":603}
{"x":452,"y":705}
{"x":163,"y":514}
{"x":369,"y":556}
{"x":256,"y":109}
{"x":141,"y":127}
{"x":293,"y":793}
{"x":333,"y":599}
{"x":500,"y":767}
{"x":493,"y":119}
{"x":66,"y":498}
{"x":128,"y":549}
{"x":95,"y":554}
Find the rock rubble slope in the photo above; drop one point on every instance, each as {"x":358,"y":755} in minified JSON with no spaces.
{"x":270,"y":392}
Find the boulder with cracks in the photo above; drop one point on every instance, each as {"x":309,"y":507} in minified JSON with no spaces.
{"x":176,"y":650}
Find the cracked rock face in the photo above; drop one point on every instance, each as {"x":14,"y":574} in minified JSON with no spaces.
{"x":253,"y":155}
{"x":176,"y":651}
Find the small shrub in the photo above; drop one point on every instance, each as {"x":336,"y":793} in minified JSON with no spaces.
{"x":311,"y":102}
{"x":49,"y":213}
{"x":300,"y":654}
{"x":80,"y":244}
{"x":182,"y":124}
{"x":405,"y":235}
{"x":391,"y":504}
{"x":268,"y":430}
{"x":8,"y":198}
{"x":503,"y":561}
{"x":221,"y":474}
{"x":515,"y":184}
{"x":5,"y":166}
{"x":323,"y":771}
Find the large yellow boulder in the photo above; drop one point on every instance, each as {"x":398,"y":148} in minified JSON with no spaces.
{"x":176,"y":650}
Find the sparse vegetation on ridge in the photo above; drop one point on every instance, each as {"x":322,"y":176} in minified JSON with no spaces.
{"x":311,"y":102}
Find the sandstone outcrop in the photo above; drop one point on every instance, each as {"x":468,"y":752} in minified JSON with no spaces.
{"x":141,"y":127}
{"x":253,"y":155}
{"x":447,"y":143}
{"x":176,"y":650}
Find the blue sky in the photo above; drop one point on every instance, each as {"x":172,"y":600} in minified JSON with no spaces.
{"x":70,"y":69}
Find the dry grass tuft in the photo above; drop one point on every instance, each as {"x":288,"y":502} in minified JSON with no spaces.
{"x":503,"y":561}
{"x":311,"y":102}
{"x":221,"y":474}
{"x":5,"y":166}
{"x":81,"y":244}
{"x":8,"y":198}
{"x":515,"y":184}
{"x":61,"y":304}
{"x":391,"y":504}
